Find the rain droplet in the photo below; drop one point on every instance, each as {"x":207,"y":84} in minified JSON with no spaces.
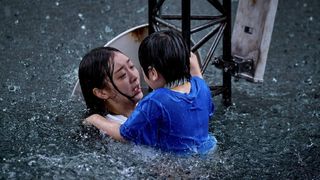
{"x":309,"y":81}
{"x":80,"y":15}
{"x":141,"y":9}
{"x":108,"y":8}
{"x":31,"y":162}
{"x":83,"y":27}
{"x":46,"y":117}
{"x":274,"y":80}
{"x":13,"y":103}
{"x":107,"y":29}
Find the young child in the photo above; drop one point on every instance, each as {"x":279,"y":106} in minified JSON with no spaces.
{"x":175,"y":116}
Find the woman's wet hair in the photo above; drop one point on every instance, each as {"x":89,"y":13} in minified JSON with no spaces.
{"x":168,"y":53}
{"x":94,"y":69}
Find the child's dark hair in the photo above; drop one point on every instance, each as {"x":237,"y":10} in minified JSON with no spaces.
{"x":94,"y":68}
{"x":168,"y":53}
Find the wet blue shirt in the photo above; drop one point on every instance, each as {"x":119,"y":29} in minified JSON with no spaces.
{"x":173,"y":121}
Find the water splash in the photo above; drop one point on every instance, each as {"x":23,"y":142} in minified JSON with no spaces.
{"x":13,"y":88}
{"x":107,"y":29}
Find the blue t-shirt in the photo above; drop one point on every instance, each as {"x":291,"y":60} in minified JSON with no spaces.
{"x":173,"y":121}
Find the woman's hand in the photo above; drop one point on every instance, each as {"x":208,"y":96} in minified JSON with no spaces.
{"x":107,"y":126}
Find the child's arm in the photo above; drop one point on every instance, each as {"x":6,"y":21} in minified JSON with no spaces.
{"x":109,"y":127}
{"x":194,"y":66}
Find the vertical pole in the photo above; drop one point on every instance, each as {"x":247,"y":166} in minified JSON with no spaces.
{"x":151,"y":20}
{"x":226,"y":81}
{"x":186,"y":14}
{"x":151,"y":16}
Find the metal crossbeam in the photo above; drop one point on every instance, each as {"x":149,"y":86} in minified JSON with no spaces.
{"x":220,"y":29}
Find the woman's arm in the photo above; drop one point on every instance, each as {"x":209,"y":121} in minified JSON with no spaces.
{"x":194,"y":66}
{"x":111,"y":128}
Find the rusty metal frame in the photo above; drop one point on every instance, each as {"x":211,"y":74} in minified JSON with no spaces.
{"x":222,"y":31}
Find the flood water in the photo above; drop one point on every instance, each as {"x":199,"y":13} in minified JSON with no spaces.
{"x":272,"y":130}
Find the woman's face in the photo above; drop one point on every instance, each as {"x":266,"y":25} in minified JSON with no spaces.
{"x":126,"y":78}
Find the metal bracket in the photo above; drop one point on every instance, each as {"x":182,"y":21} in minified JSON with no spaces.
{"x":238,"y":66}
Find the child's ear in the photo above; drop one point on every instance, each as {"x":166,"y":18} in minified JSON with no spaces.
{"x":153,"y":74}
{"x":101,"y":93}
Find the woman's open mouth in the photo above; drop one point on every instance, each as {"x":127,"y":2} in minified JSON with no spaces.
{"x":137,"y":90}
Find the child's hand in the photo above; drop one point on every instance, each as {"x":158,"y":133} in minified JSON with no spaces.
{"x":194,"y":66}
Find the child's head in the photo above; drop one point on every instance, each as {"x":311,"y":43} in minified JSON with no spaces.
{"x":166,"y":52}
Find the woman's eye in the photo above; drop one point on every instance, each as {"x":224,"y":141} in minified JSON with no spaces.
{"x":122,"y":76}
{"x":131,"y":67}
